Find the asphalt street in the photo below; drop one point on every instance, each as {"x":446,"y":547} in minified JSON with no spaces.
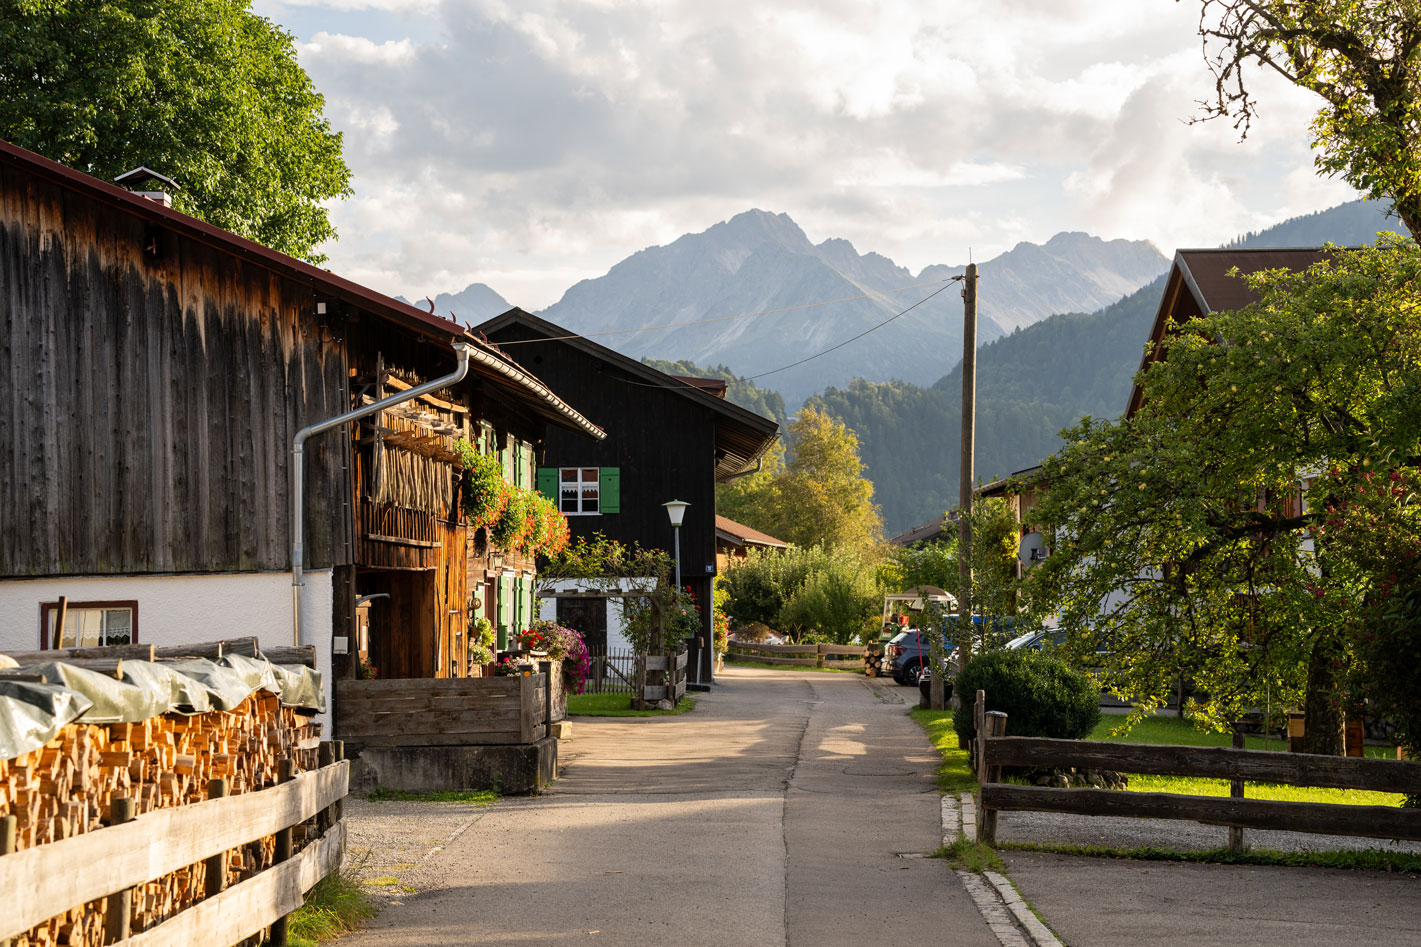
{"x":789,"y":808}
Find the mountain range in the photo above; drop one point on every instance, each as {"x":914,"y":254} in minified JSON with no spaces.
{"x":1031,"y":384}
{"x":755,"y":293}
{"x":1061,"y":329}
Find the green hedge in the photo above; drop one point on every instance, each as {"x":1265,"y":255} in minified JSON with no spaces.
{"x":1041,"y":695}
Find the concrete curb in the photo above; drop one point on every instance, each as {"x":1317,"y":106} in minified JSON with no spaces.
{"x":998,"y":901}
{"x":1038,"y":932}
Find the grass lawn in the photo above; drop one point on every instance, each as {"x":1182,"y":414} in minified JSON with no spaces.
{"x":618,"y":705}
{"x":1174,"y":731}
{"x":733,"y":661}
{"x":954,"y":775}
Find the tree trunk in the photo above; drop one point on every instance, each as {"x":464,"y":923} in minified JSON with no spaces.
{"x":1322,"y":708}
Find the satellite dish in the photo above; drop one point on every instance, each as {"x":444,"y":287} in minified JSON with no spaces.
{"x":1032,"y":549}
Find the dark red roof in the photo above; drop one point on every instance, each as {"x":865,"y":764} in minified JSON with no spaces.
{"x":743,"y":535}
{"x":1199,"y":283}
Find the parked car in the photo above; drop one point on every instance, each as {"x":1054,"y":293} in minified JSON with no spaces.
{"x":909,"y":654}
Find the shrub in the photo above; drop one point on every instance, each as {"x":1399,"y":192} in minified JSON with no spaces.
{"x":1041,"y":695}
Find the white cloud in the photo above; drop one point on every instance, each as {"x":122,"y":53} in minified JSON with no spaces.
{"x":536,"y":142}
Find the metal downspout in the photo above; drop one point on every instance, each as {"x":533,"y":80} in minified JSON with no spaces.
{"x":462,"y":350}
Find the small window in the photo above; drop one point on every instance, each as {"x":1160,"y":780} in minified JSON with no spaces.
{"x":89,"y":624}
{"x":579,"y":490}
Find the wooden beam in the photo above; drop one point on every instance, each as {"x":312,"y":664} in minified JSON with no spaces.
{"x":246,"y":908}
{"x":1313,"y":817}
{"x":43,"y":881}
{"x":1295,"y":769}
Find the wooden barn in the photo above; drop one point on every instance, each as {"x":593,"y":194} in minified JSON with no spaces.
{"x":669,"y":439}
{"x":154,"y":371}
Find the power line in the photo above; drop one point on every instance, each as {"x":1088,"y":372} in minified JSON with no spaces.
{"x":865,"y":332}
{"x":949,"y":281}
{"x":740,"y":315}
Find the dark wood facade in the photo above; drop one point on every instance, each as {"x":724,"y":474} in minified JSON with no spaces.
{"x":154,"y":371}
{"x":669,"y":440}
{"x":149,"y":387}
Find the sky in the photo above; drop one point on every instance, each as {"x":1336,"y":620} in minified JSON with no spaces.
{"x":530,"y":144}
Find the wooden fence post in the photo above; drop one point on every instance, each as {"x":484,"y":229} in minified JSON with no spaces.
{"x":819,"y":656}
{"x":287,"y":771}
{"x":325,"y":756}
{"x":1236,"y":792}
{"x":994,"y":725}
{"x":9,"y":828}
{"x":979,"y":713}
{"x":216,"y":867}
{"x":117,"y":919}
{"x":547,"y":667}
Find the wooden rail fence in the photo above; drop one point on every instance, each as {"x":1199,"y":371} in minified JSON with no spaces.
{"x":995,"y":750}
{"x":850,"y":657}
{"x":47,"y":880}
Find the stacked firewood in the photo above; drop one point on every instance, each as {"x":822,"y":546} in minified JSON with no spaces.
{"x":68,"y":787}
{"x":875,"y":662}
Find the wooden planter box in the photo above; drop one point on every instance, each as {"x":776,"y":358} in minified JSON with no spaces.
{"x":468,"y":711}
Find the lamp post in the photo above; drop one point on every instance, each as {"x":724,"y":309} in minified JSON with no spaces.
{"x":676,"y":511}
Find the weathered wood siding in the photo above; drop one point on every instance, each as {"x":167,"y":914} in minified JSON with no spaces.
{"x":150,"y":397}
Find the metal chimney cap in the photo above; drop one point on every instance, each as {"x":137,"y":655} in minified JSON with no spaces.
{"x":140,"y":174}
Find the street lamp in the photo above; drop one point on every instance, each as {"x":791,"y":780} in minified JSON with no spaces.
{"x":676,"y":511}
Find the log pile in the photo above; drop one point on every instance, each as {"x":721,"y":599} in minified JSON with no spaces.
{"x":69,"y":786}
{"x":875,"y":662}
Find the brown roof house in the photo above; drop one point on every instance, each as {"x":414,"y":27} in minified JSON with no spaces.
{"x":193,"y":447}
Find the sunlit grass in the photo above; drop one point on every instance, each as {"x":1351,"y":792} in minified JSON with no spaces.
{"x":1174,"y":731}
{"x":954,"y":775}
{"x":334,"y":906}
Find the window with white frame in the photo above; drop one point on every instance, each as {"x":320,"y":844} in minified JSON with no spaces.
{"x":579,"y":490}
{"x":89,"y":624}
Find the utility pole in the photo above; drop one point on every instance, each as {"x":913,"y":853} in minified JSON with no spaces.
{"x":968,"y":476}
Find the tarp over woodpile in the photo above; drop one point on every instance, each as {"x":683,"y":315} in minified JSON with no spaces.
{"x":38,"y":700}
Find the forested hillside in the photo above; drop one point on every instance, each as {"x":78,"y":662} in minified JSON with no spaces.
{"x":747,"y":394}
{"x":1030,"y":384}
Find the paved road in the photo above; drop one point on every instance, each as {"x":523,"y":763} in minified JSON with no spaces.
{"x":779,"y":812}
{"x":1104,"y":902}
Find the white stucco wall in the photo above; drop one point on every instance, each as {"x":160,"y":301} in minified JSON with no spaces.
{"x":616,"y":635}
{"x":177,"y":609}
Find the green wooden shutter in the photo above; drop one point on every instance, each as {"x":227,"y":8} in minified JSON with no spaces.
{"x":505,"y":611}
{"x":609,"y":498}
{"x":548,"y":482}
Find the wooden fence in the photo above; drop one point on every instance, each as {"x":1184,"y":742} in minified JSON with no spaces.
{"x":463,"y":711}
{"x":800,"y":655}
{"x":995,"y":750}
{"x":613,"y":671}
{"x":672,"y":670}
{"x":115,"y":863}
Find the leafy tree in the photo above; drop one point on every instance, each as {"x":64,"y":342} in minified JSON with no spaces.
{"x":204,"y":91}
{"x":995,"y":540}
{"x":838,"y":602}
{"x":751,"y":499}
{"x":1362,"y":57}
{"x":822,"y":495}
{"x":799,"y":591}
{"x":1182,"y":544}
{"x":908,"y":567}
